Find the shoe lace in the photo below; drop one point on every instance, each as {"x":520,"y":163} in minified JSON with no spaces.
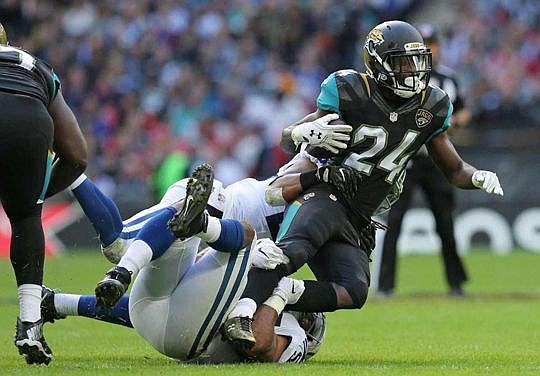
{"x":245,"y":324}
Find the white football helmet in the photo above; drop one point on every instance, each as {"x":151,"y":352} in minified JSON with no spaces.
{"x":314,"y":324}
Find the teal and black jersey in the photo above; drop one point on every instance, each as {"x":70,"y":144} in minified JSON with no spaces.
{"x":383,"y":138}
{"x":22,"y":73}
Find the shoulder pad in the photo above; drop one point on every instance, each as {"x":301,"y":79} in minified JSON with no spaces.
{"x":436,"y":100}
{"x":353,"y":86}
{"x":53,"y":81}
{"x":346,"y":72}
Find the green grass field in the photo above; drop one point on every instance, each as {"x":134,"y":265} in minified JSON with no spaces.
{"x":496,"y":330}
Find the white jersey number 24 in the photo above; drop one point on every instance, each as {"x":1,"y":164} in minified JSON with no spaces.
{"x":393,"y":162}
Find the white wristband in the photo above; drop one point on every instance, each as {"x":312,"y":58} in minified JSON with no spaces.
{"x":274,"y":196}
{"x":477,"y":178}
{"x":276,"y":302}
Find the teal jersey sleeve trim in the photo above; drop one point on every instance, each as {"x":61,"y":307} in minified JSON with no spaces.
{"x":57,"y":84}
{"x":48,"y":169}
{"x":328,"y":99}
{"x":287,"y":220}
{"x":447,"y":123}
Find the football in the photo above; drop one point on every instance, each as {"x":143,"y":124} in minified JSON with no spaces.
{"x":319,"y":152}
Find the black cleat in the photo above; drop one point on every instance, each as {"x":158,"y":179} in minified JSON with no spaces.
{"x":48,"y":310}
{"x":31,"y":343}
{"x":111,"y":288}
{"x":238,"y":331}
{"x":193,"y":219}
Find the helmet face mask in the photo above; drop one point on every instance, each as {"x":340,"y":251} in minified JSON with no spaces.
{"x":410,"y":71}
{"x":396,"y":57}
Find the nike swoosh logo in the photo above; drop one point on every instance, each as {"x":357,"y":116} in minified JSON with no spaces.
{"x":189,"y":201}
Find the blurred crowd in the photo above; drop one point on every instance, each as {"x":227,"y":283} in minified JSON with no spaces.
{"x":494,"y":46}
{"x":160,"y":85}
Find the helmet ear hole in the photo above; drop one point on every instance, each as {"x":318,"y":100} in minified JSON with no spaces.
{"x":370,"y":47}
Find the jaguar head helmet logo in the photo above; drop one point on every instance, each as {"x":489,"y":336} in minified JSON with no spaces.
{"x":376,"y":37}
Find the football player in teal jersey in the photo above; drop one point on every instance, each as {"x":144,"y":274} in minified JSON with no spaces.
{"x":42,"y":151}
{"x":392,"y":111}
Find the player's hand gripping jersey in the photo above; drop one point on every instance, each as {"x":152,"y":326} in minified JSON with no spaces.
{"x":383,"y":138}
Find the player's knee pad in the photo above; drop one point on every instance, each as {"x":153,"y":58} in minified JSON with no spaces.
{"x":358,"y":291}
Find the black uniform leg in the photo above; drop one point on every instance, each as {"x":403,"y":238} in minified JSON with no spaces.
{"x":20,"y":190}
{"x":308,"y":224}
{"x":27,"y":250}
{"x":440,"y":196}
{"x":25,"y":141}
{"x":336,"y":263}
{"x":387,"y":273}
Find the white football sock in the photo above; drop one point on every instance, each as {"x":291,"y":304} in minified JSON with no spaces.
{"x":78,"y":182}
{"x":245,"y":307}
{"x":213,"y":230}
{"x":138,"y":255}
{"x":29,"y":302}
{"x":67,"y":304}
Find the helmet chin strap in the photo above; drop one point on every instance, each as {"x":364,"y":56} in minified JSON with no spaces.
{"x":404,"y":93}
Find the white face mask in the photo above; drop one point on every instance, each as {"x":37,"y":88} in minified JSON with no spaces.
{"x":414,"y":65}
{"x":419,"y":85}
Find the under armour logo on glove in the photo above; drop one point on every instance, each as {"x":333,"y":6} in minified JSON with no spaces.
{"x":318,"y":134}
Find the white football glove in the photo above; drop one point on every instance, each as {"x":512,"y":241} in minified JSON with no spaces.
{"x":487,"y":181}
{"x":332,"y":137}
{"x":267,"y":255}
{"x":289,"y":289}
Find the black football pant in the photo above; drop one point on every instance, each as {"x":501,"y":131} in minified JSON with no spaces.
{"x":440,"y":197}
{"x":26,"y":139}
{"x":316,"y":230}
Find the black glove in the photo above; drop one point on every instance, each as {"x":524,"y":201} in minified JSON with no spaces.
{"x":344,"y":178}
{"x":367,"y":235}
{"x":367,"y":238}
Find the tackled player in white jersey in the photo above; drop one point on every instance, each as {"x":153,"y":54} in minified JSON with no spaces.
{"x":178,"y":303}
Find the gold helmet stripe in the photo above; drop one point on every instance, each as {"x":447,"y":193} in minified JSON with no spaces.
{"x":3,"y":35}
